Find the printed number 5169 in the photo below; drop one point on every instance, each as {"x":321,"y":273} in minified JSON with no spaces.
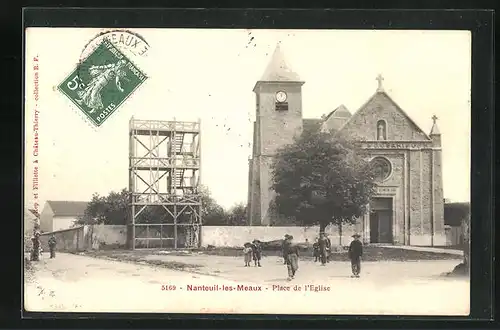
{"x":165,"y":287}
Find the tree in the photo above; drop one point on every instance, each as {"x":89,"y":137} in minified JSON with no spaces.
{"x":212,"y":213}
{"x":114,"y":210}
{"x":322,"y":179}
{"x":237,"y":215}
{"x":108,"y":210}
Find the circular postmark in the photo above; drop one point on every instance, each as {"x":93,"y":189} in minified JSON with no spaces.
{"x":108,"y":72}
{"x":131,"y":44}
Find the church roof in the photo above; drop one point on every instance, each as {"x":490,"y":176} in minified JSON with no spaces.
{"x":340,"y":112}
{"x":308,"y":123}
{"x":378,"y":93}
{"x":278,"y":69}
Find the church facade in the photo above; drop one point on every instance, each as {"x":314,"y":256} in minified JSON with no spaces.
{"x":408,"y":206}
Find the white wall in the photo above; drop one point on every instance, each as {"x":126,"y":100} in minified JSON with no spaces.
{"x":61,"y":223}
{"x":46,"y":217}
{"x":236,"y":236}
{"x":101,"y":236}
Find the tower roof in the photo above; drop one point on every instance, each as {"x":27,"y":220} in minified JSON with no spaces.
{"x":435,"y":129}
{"x":278,"y":69}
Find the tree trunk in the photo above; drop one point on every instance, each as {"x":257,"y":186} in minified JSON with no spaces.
{"x":340,"y":233}
{"x":322,"y":226}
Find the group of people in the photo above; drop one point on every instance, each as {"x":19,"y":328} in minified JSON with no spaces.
{"x":36,"y":250}
{"x":322,"y":248}
{"x":252,"y":251}
{"x":290,"y":253}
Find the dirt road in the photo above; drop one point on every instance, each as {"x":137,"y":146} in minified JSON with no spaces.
{"x":84,"y":284}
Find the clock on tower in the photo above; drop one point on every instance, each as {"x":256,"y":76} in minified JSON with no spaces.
{"x":281,"y":101}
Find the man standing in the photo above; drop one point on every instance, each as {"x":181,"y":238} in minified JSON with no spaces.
{"x":35,"y":252}
{"x":323,"y":248}
{"x":328,"y":248}
{"x":52,"y":246}
{"x":355,"y":253}
{"x":292,"y":257}
{"x":283,"y":248}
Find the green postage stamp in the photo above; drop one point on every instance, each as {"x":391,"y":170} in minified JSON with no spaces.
{"x":102,"y":82}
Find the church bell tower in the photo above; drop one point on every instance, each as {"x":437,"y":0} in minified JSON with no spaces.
{"x":278,"y":121}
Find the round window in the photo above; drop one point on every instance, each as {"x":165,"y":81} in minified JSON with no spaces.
{"x":382,"y":168}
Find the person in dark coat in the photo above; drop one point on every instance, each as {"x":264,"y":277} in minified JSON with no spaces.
{"x":52,"y":246}
{"x":316,"y":252}
{"x":283,"y":248}
{"x":323,"y":248}
{"x":292,"y":257}
{"x":35,"y":252}
{"x":355,"y":253}
{"x":328,"y":248}
{"x":256,"y":252}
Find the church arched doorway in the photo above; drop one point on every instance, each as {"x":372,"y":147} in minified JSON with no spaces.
{"x":381,"y":220}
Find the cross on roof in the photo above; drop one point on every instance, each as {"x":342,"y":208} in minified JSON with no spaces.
{"x":434,"y":118}
{"x":380,"y":79}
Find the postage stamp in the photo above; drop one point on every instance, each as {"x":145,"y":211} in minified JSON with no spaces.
{"x":102,"y":82}
{"x":234,"y":171}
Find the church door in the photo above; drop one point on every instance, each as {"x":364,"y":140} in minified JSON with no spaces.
{"x":381,"y":220}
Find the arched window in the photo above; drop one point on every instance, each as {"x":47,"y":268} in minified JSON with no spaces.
{"x":381,"y":130}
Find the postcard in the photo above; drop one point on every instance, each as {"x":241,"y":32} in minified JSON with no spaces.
{"x":247,"y":171}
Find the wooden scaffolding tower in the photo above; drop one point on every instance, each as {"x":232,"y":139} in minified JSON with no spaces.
{"x":164,"y":178}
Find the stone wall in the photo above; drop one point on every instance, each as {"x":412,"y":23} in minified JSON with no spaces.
{"x":236,"y":236}
{"x":89,"y":237}
{"x":114,"y":237}
{"x":69,"y":240}
{"x":106,"y":236}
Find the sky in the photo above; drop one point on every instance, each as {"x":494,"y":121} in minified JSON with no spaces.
{"x":210,"y":74}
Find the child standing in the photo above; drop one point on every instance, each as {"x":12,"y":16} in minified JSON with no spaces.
{"x":247,"y":252}
{"x":257,"y":252}
{"x":316,"y":253}
{"x":355,"y":253}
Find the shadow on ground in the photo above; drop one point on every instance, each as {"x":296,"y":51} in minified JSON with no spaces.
{"x":195,"y":261}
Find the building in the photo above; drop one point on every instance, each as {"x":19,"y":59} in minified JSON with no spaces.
{"x":408,"y":205}
{"x":59,"y":215}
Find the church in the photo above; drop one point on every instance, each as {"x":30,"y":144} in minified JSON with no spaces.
{"x":408,"y":206}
